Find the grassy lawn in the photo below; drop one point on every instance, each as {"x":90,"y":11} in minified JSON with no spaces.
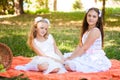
{"x":65,"y":28}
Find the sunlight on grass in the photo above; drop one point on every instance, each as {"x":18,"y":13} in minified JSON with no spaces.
{"x":65,"y":48}
{"x":112,"y":28}
{"x":111,"y":19}
{"x":5,"y":16}
{"x":109,"y":43}
{"x":6,"y":22}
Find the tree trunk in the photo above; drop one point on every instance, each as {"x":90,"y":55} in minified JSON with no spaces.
{"x":55,"y":5}
{"x":103,"y":12}
{"x":46,"y":4}
{"x":18,"y":6}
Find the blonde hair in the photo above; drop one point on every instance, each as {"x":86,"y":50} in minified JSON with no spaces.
{"x":33,"y":32}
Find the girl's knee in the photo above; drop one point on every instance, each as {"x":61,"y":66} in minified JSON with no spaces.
{"x":43,"y":66}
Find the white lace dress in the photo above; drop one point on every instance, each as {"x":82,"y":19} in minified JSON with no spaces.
{"x":48,"y":48}
{"x":93,"y":60}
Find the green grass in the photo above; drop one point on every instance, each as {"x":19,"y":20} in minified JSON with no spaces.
{"x":65,"y":27}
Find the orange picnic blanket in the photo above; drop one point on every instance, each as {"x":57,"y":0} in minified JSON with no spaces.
{"x":112,"y":74}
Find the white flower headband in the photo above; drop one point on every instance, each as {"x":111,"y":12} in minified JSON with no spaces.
{"x":100,"y":12}
{"x":37,"y":19}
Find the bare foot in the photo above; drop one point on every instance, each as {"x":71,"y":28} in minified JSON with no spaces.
{"x":55,"y":70}
{"x":68,"y":68}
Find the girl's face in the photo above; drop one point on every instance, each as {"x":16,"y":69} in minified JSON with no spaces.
{"x":92,"y":18}
{"x":42,"y":28}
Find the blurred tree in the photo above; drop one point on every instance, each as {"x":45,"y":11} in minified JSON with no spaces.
{"x":18,"y":7}
{"x":46,"y":4}
{"x":6,"y":6}
{"x":2,"y":5}
{"x":55,"y":5}
{"x":103,"y":12}
{"x":77,"y":4}
{"x":43,"y":3}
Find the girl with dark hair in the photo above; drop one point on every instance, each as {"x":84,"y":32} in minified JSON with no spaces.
{"x":89,"y":55}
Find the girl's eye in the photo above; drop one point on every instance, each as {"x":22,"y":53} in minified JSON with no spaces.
{"x":89,"y":15}
{"x":94,"y":16}
{"x":41,"y":27}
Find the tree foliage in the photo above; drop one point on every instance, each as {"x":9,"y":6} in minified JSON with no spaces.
{"x":6,"y":6}
{"x":77,"y":4}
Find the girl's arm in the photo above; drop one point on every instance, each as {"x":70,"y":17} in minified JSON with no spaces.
{"x":93,"y":35}
{"x":57,"y":50}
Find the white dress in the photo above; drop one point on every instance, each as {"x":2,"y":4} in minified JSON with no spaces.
{"x":93,"y":60}
{"x":48,"y":48}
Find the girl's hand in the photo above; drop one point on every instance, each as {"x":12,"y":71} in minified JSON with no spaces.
{"x":60,"y":61}
{"x":68,"y":58}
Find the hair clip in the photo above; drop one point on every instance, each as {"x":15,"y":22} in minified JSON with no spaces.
{"x":38,"y":19}
{"x":100,"y":13}
{"x":47,"y":21}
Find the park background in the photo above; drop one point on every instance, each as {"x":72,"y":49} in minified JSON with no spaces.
{"x":16,"y":17}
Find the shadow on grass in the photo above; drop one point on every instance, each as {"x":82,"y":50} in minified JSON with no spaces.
{"x":113,"y":21}
{"x":112,"y":44}
{"x":17,"y":44}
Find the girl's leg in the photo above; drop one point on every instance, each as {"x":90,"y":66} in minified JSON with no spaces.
{"x":55,"y":70}
{"x":44,"y":66}
{"x":67,"y":67}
